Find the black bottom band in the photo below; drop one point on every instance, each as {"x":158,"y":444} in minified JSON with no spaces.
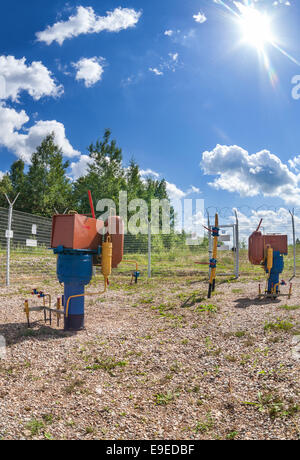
{"x":74,"y":323}
{"x":209,"y":291}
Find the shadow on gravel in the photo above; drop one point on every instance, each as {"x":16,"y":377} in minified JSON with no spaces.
{"x":19,"y":332}
{"x":246,"y":302}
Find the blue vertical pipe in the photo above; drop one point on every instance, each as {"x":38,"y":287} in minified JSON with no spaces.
{"x":75,"y":270}
{"x":277,"y":269}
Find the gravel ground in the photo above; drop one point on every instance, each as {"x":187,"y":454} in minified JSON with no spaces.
{"x":156,"y":361}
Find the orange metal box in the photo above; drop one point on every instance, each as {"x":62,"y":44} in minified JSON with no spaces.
{"x":256,"y":248}
{"x":115,"y":228}
{"x":277,"y":242}
{"x":76,"y":232}
{"x":258,"y":243}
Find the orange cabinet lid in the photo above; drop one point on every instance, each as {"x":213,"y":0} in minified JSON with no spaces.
{"x":76,"y":232}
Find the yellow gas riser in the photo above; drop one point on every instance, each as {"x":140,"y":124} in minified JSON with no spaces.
{"x":107,"y":251}
{"x":269,"y":259}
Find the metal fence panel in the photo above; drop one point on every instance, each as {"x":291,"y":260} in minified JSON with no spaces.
{"x":162,"y":255}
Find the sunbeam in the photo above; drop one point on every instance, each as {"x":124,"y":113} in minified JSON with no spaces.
{"x":256,"y":30}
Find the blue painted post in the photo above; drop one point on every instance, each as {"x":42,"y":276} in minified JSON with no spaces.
{"x":277,"y":269}
{"x":75,"y":270}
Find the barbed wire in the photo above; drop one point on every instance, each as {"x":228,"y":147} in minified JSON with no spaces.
{"x":248,"y":211}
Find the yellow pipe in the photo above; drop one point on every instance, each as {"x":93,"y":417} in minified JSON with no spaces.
{"x":269,"y":259}
{"x":132,"y":262}
{"x":49,"y":297}
{"x":58,"y":307}
{"x":107,"y":250}
{"x":290,"y":291}
{"x":84,"y":295}
{"x":275,"y":287}
{"x":26,"y":309}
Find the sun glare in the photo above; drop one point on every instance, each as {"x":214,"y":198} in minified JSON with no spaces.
{"x":256,"y":30}
{"x":256,"y":27}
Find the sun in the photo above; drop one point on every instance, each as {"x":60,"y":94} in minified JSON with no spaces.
{"x":255,"y":26}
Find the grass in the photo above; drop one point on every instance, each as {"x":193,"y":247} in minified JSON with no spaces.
{"x":232,"y":435}
{"x":107,"y":364}
{"x":162,"y":399}
{"x":207,"y":309}
{"x":290,"y":307}
{"x":240,"y":334}
{"x":35,"y":427}
{"x":273,"y":405}
{"x":205,"y":425}
{"x":74,"y":386}
{"x":178,"y":260}
{"x":278,"y":325}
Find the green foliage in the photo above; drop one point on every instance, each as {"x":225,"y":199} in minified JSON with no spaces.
{"x":240,"y":334}
{"x":290,"y":307}
{"x":107,"y":364}
{"x":278,"y":325}
{"x":232,"y":435}
{"x":274,"y":405}
{"x":5,"y":187}
{"x":207,"y":308}
{"x":45,"y":187}
{"x":205,"y":425}
{"x":162,"y":399}
{"x":35,"y":426}
{"x":107,"y":176}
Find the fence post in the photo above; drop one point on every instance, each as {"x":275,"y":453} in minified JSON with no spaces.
{"x":8,"y":237}
{"x":149,"y":250}
{"x":209,"y":241}
{"x":237,"y":243}
{"x":294,"y":241}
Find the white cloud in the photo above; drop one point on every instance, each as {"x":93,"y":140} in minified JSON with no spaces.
{"x":274,"y":221}
{"x":148,"y":173}
{"x":250,"y":175}
{"x":89,"y":70}
{"x":23,"y":141}
{"x":295,"y":163}
{"x":156,"y":71}
{"x":193,"y":189}
{"x":133,"y":79}
{"x":281,"y":2}
{"x":174,"y":56}
{"x":169,"y":64}
{"x":2,"y":174}
{"x":172,"y":34}
{"x":80,"y":168}
{"x":174,"y":192}
{"x":85,"y":21}
{"x":200,"y":18}
{"x":36,"y":79}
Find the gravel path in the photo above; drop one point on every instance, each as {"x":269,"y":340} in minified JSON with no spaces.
{"x":156,"y":361}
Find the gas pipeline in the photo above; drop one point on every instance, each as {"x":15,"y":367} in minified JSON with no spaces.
{"x":268,"y":251}
{"x":80,"y":243}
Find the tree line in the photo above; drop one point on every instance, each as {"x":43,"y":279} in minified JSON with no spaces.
{"x":44,"y":185}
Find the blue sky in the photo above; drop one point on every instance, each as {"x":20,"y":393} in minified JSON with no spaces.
{"x":172,"y":79}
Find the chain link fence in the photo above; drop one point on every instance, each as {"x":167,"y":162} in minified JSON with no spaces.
{"x":156,"y":255}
